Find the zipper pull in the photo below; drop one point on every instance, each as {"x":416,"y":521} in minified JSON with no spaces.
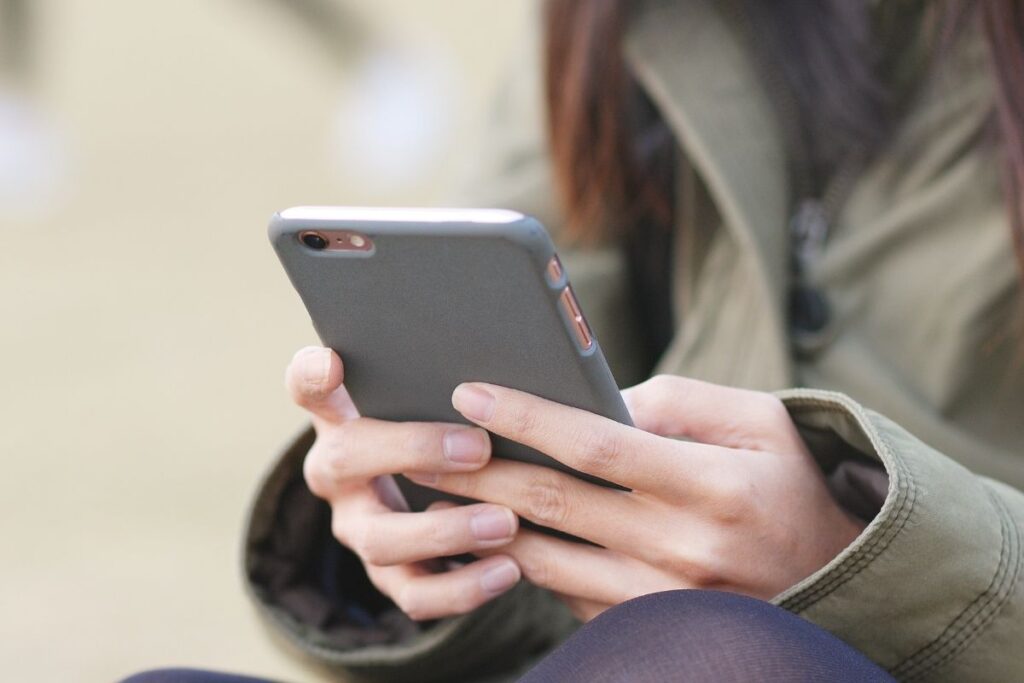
{"x":809,"y":310}
{"x":808,"y":228}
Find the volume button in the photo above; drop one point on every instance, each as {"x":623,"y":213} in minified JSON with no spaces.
{"x":576,"y":319}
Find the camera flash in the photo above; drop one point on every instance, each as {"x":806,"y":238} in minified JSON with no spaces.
{"x":358,"y":241}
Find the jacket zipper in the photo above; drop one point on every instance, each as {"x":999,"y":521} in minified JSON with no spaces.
{"x":812,"y":213}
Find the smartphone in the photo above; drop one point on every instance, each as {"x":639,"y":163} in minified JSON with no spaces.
{"x":417,"y":301}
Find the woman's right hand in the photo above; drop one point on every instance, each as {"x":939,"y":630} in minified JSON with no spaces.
{"x":350,"y":466}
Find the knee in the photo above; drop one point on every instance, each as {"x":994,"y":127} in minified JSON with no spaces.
{"x":704,"y":635}
{"x":677,"y":611}
{"x":714,"y":621}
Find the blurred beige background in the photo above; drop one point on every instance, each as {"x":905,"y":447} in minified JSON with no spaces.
{"x":146,"y":322}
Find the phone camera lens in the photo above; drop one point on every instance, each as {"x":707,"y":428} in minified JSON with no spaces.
{"x":314,"y":240}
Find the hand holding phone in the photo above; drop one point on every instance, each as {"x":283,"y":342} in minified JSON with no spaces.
{"x":350,"y":466}
{"x":418,"y":301}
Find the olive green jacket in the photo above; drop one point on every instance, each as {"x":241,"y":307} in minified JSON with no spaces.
{"x":918,"y":370}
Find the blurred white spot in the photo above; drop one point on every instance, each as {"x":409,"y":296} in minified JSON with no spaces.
{"x":33,"y":164}
{"x":395,"y":120}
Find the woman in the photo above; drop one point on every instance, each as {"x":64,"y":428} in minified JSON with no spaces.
{"x":824,"y":195}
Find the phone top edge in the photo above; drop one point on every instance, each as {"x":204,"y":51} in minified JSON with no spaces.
{"x":400,"y":214}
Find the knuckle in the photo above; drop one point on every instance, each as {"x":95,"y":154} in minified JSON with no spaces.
{"x":703,"y":575}
{"x":732,"y":500}
{"x":337,"y":453}
{"x":373,"y":550}
{"x":711,"y":567}
{"x":701,"y":563}
{"x":667,"y":389}
{"x":770,"y":412}
{"x":772,"y":407}
{"x":419,"y":441}
{"x":547,"y":502}
{"x":522,"y":421}
{"x":342,"y":529}
{"x":662,"y":386}
{"x":597,"y":451}
{"x":315,"y":474}
{"x":367,"y":543}
{"x":654,"y":396}
{"x":671,"y":560}
{"x":437,"y":539}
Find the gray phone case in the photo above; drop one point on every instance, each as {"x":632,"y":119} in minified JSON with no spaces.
{"x":441,"y":302}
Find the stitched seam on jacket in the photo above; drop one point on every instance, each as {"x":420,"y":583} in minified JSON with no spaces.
{"x":965,"y":628}
{"x":870,"y":551}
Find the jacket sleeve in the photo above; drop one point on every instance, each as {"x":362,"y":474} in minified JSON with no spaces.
{"x":932,"y":589}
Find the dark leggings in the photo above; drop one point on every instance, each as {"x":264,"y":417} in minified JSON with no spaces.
{"x":699,"y":636}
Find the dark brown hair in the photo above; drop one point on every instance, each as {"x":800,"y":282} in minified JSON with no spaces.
{"x":613,"y":156}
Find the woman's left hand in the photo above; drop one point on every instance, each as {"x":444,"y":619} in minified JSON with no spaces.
{"x":739,"y":506}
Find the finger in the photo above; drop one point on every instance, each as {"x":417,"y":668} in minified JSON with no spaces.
{"x":450,"y":563}
{"x":423,"y":595}
{"x":710,"y":413}
{"x":608,"y":517}
{"x":314,"y":380}
{"x":582,"y":571}
{"x":584,"y":441}
{"x":392,"y":538}
{"x":365,"y":448}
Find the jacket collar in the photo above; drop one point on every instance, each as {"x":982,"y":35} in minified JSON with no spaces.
{"x":691,"y":59}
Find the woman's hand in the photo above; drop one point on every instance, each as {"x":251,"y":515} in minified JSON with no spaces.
{"x":739,"y":506}
{"x":349,"y":466}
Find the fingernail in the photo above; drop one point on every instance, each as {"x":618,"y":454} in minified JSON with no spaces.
{"x":316,"y":365}
{"x":492,"y":524}
{"x":465,"y":446}
{"x":499,"y":579}
{"x":473,"y":402}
